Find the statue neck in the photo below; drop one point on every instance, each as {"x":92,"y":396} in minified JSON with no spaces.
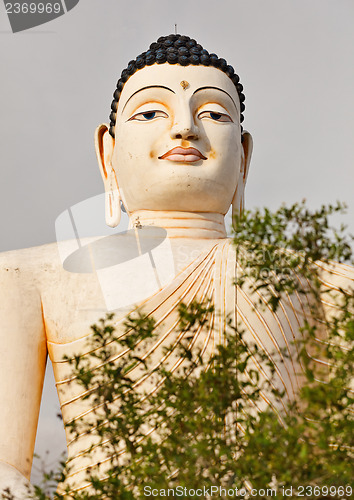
{"x":194,"y":225}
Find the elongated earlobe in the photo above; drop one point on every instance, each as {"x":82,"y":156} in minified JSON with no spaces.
{"x":238,"y":202}
{"x":112,"y":205}
{"x":104,"y":145}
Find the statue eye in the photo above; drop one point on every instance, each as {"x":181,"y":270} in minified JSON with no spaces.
{"x":148,"y":116}
{"x":212,"y":115}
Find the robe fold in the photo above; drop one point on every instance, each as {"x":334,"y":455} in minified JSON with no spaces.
{"x":211,"y":278}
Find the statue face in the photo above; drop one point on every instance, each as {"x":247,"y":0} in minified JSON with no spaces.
{"x":195,"y":109}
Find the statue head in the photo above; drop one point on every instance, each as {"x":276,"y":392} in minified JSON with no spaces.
{"x":175,"y":141}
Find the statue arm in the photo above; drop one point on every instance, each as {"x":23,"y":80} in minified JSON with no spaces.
{"x":22,"y":366}
{"x":14,"y":483}
{"x":337,"y":280}
{"x":335,"y":277}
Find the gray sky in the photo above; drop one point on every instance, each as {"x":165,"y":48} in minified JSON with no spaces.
{"x":295,"y":59}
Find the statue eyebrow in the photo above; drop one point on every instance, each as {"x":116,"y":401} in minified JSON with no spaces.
{"x":216,"y":88}
{"x":148,"y":87}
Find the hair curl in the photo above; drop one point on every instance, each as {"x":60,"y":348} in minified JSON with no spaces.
{"x":175,"y":49}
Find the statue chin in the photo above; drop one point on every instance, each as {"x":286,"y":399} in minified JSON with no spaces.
{"x":182,"y":194}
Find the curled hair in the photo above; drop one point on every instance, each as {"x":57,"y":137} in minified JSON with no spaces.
{"x":175,"y":49}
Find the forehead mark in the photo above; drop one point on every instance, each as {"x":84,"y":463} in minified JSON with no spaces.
{"x":216,"y":88}
{"x":148,"y":87}
{"x":184,"y":84}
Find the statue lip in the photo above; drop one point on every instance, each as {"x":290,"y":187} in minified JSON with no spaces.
{"x":183,"y":155}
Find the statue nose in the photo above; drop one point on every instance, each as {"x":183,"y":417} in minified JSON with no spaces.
{"x":185,"y":129}
{"x":185,"y":134}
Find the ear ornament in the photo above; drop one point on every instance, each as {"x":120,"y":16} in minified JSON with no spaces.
{"x":112,"y":204}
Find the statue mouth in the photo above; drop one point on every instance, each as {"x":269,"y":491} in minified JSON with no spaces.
{"x":185,"y":155}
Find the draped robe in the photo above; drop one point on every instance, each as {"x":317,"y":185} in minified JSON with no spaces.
{"x":211,"y":277}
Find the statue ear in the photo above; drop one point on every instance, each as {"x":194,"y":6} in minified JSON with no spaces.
{"x":247,"y":145}
{"x":238,"y":201}
{"x":104,"y":145}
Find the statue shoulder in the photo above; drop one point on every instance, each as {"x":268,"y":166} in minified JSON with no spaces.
{"x":337,"y":282}
{"x":29,"y":263}
{"x":336,"y":276}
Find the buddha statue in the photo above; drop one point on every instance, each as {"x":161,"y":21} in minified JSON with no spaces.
{"x":175,"y":156}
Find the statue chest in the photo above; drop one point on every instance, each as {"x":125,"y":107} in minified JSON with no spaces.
{"x":117,"y":276}
{"x":75,"y":301}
